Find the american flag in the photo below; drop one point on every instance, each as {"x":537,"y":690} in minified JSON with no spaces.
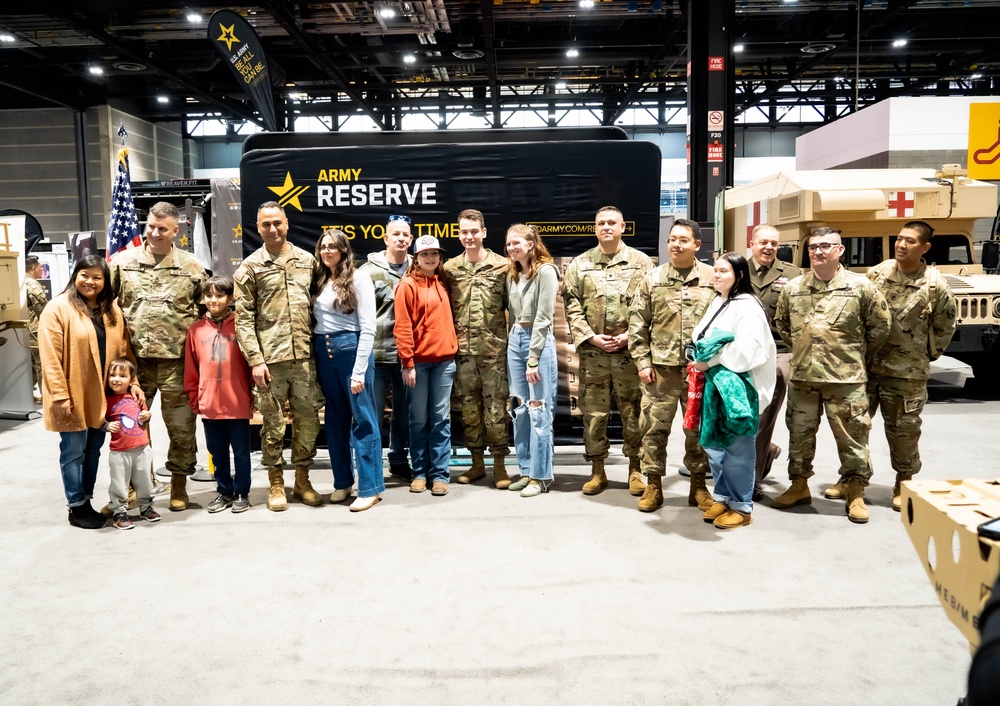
{"x":123,"y":226}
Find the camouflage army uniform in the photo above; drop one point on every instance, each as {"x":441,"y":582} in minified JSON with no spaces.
{"x":479,"y":306}
{"x":831,"y":327}
{"x":897,"y":377}
{"x":273,"y":326}
{"x":598,"y":292}
{"x":36,"y":302}
{"x":667,"y":307}
{"x":160,"y":302}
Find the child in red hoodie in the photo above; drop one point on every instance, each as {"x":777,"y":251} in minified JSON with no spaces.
{"x":217,"y":381}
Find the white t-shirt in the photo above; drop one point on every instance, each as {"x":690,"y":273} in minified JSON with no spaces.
{"x":330,"y":319}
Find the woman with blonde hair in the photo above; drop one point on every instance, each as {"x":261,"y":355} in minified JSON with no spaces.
{"x":531,"y":356}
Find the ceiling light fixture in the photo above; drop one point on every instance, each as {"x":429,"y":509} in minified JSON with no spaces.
{"x":193,"y":17}
{"x":409,"y":59}
{"x":737,"y":48}
{"x":7,"y":37}
{"x":95,"y":70}
{"x":572,"y":53}
{"x":561,"y":85}
{"x":162,"y":99}
{"x":899,"y":43}
{"x":587,"y":4}
{"x":974,"y":77}
{"x":387,"y":13}
{"x":820,"y":48}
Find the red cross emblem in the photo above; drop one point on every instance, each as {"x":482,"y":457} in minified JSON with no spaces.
{"x":901,"y":204}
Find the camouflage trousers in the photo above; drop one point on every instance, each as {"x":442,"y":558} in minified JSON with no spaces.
{"x":36,"y":367}
{"x":659,"y":405}
{"x":481,"y":388}
{"x":166,"y":375}
{"x":902,"y":402}
{"x":603,"y":375}
{"x":846,"y":407}
{"x":292,"y":382}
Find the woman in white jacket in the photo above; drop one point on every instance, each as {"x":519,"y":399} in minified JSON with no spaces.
{"x":737,"y":311}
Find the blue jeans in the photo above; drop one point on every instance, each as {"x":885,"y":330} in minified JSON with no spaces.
{"x":220,"y":436}
{"x":532,"y":424}
{"x":79,"y":457}
{"x":356,"y":429}
{"x":430,"y":421}
{"x":389,"y":378}
{"x":733,"y":472}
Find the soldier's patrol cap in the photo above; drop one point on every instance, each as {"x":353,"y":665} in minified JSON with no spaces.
{"x":426,"y":242}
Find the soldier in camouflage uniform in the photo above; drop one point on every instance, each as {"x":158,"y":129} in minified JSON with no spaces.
{"x":598,"y":291}
{"x":158,"y":288}
{"x":923,"y":322}
{"x":832,"y":319}
{"x":671,"y":300}
{"x":476,"y":280}
{"x":274,"y":330}
{"x":37,"y":300}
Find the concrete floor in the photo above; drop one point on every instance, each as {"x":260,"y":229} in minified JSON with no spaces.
{"x":482,"y":596}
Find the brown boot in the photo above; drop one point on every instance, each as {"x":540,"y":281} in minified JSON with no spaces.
{"x":477,"y":470}
{"x":855,"y":501}
{"x":698,"y":494}
{"x":652,"y":496}
{"x":798,"y":494}
{"x":501,"y":481}
{"x":635,"y":485}
{"x":733,"y":519}
{"x":834,"y":492}
{"x":303,"y":490}
{"x":276,"y":501}
{"x":896,"y":501}
{"x":598,"y":480}
{"x":178,"y":492}
{"x":715,"y":512}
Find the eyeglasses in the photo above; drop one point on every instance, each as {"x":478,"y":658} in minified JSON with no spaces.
{"x":405,"y":219}
{"x":324,"y":248}
{"x":821,"y":247}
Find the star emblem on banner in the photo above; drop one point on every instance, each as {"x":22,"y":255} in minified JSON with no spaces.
{"x":288,"y":193}
{"x":238,"y":231}
{"x":227,"y":36}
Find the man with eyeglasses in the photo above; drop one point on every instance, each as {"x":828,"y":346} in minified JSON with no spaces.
{"x":834,"y":320}
{"x":386,"y":268}
{"x":476,"y":280}
{"x":768,"y":276}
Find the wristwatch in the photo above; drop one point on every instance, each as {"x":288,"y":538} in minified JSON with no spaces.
{"x":532,"y":363}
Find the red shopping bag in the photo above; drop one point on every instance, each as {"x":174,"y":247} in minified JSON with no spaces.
{"x":695,"y":392}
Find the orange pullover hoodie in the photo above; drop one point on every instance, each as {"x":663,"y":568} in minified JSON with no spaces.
{"x":424,"y":329}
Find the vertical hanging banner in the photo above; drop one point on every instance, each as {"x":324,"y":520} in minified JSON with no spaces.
{"x":240,"y":47}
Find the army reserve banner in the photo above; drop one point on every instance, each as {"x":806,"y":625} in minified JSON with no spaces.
{"x":241,"y":49}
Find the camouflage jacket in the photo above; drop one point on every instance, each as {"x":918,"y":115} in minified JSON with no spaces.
{"x":666,"y":309}
{"x":159,"y":301}
{"x":37,"y":300}
{"x":767,"y":287}
{"x":832,"y":326}
{"x":479,"y":304}
{"x":598,"y":291}
{"x":906,"y":354}
{"x":273,"y":308}
{"x":385,"y":281}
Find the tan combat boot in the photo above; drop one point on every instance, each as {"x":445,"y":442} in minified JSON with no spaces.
{"x":834,"y":492}
{"x":178,"y":492}
{"x":900,"y":477}
{"x":501,"y":481}
{"x":476,"y":471}
{"x":798,"y":494}
{"x":635,"y":485}
{"x":652,"y":496}
{"x":855,"y":501}
{"x":698,"y":494}
{"x":276,"y":501}
{"x":598,"y":480}
{"x":303,"y":490}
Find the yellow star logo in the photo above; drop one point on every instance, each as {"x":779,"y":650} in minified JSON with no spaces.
{"x":184,"y":242}
{"x":238,"y":231}
{"x":288,"y":193}
{"x":227,"y":36}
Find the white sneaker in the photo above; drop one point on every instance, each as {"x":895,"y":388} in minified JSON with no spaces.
{"x":339,"y":496}
{"x":362,"y":504}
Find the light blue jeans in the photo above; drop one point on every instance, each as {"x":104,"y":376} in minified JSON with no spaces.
{"x":430,"y":421}
{"x":532,"y":424}
{"x":733,"y":473}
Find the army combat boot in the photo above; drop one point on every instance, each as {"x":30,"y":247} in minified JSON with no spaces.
{"x":798,"y":494}
{"x":303,"y":490}
{"x":598,"y":480}
{"x":835,"y":492}
{"x":178,"y":492}
{"x":652,"y":496}
{"x":855,"y":500}
{"x":635,"y":485}
{"x":477,"y":470}
{"x":276,"y":501}
{"x":501,"y":481}
{"x":900,"y":477}
{"x":698,"y":494}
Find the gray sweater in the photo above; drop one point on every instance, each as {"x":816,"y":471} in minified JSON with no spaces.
{"x":535,"y":305}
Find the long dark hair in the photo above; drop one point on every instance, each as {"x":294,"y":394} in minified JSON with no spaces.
{"x":741,"y":271}
{"x":105,"y":298}
{"x":342,"y":277}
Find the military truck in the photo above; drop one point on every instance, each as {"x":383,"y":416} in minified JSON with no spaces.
{"x":869,"y":207}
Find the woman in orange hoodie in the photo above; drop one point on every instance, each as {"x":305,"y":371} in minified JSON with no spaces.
{"x":426,"y":343}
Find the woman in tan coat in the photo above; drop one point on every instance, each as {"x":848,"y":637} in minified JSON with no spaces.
{"x":79,"y":333}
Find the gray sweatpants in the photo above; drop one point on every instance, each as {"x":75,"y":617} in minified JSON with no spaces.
{"x":130,"y":466}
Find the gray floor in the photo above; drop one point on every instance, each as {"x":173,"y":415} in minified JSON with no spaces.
{"x":482,"y":596}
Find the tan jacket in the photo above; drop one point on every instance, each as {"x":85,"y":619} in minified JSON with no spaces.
{"x":71,"y":363}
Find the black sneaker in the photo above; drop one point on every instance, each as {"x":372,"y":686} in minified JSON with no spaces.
{"x":220,"y":503}
{"x":122,"y":522}
{"x":241,"y":504}
{"x":150,"y":515}
{"x":401,"y":471}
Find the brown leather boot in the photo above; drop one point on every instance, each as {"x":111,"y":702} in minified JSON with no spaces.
{"x":652,"y":496}
{"x":178,"y":492}
{"x":635,"y":485}
{"x":303,"y":490}
{"x":896,"y":501}
{"x":698,"y":494}
{"x":855,"y":500}
{"x":477,"y":470}
{"x":715,"y":512}
{"x":798,"y":494}
{"x":598,"y":480}
{"x":276,"y":500}
{"x":501,"y":481}
{"x":834,"y":492}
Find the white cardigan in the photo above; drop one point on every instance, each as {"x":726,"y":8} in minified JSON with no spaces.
{"x":752,"y":350}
